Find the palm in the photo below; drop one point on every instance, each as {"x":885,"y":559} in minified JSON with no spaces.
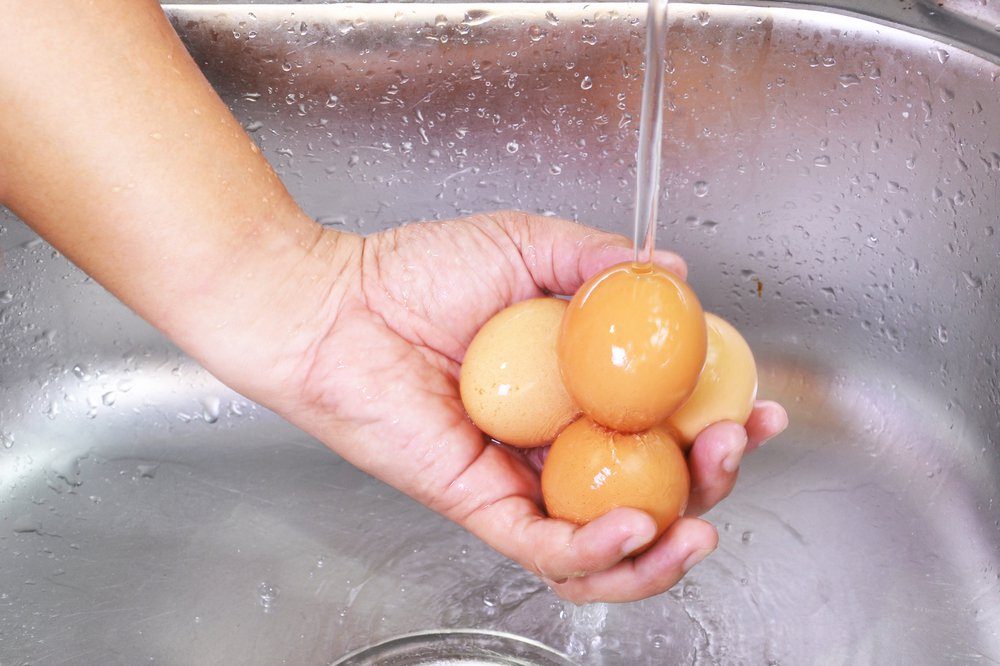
{"x":425,"y":291}
{"x":386,"y":379}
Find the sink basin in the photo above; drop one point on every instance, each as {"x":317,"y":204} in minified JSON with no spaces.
{"x":833,"y":180}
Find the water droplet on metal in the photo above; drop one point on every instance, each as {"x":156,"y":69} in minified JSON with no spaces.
{"x":536,"y":33}
{"x":211,"y":407}
{"x":267,"y":594}
{"x":939,"y":53}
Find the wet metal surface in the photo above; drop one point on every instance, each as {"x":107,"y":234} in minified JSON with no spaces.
{"x":835,"y":185}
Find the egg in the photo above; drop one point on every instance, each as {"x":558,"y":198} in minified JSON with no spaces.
{"x":591,"y":470}
{"x":727,"y":387}
{"x":631,"y":346}
{"x":510,"y":381}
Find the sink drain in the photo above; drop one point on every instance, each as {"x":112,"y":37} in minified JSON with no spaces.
{"x":456,"y":647}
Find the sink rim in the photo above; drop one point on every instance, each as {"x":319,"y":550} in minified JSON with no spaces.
{"x":952,"y":29}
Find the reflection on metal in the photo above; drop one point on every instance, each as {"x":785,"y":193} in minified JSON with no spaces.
{"x":851,"y":168}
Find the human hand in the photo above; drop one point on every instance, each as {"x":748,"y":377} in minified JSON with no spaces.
{"x":378,"y":382}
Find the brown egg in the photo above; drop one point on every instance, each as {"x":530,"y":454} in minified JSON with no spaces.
{"x":631,"y":346}
{"x":727,"y":387}
{"x":510,"y":382}
{"x":591,"y":470}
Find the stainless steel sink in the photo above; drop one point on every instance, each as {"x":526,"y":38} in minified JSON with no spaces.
{"x":835,"y":183}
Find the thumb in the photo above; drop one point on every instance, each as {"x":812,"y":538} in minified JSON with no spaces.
{"x":561,"y":255}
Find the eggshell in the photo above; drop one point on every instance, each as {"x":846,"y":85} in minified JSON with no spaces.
{"x":510,"y":381}
{"x":632,"y":345}
{"x":727,"y":387}
{"x":591,"y":470}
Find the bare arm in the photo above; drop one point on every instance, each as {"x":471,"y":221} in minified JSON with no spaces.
{"x":115,"y":148}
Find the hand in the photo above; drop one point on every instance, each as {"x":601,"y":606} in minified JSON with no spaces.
{"x":379,"y":385}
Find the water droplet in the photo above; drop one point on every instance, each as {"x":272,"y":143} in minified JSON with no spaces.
{"x":939,"y":53}
{"x":267,"y":594}
{"x":67,"y":468}
{"x":551,"y":18}
{"x":942,"y":334}
{"x":6,"y":439}
{"x":491,"y":598}
{"x":253,"y":126}
{"x":972,"y":280}
{"x":848,"y":80}
{"x":703,"y":17}
{"x":477,"y":16}
{"x":700,"y":189}
{"x":27,"y":525}
{"x":211,"y":406}
{"x":536,"y":33}
{"x":286,"y":67}
{"x":512,"y":147}
{"x":822,"y":161}
{"x":6,"y":297}
{"x":148,"y":470}
{"x":586,"y":83}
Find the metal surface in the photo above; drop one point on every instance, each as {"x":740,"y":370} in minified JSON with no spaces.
{"x":456,"y":647}
{"x":835,"y":185}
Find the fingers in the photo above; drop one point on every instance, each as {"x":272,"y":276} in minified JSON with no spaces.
{"x":687,"y":542}
{"x":557,"y":549}
{"x":715,"y":457}
{"x":561,"y":255}
{"x":714,"y":461}
{"x":594,"y":547}
{"x":536,"y":457}
{"x":767,"y":420}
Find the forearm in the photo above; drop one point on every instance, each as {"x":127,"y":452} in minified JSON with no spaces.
{"x":115,"y":148}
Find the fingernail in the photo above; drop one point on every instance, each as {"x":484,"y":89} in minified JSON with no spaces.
{"x":696,"y":557}
{"x":731,"y":462}
{"x":634,"y":543}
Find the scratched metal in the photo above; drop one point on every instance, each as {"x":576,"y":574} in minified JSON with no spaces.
{"x":835,"y":184}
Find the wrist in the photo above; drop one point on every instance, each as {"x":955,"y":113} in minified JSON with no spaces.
{"x":283,"y":288}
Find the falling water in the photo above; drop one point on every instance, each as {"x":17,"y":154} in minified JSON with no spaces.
{"x":650,"y":132}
